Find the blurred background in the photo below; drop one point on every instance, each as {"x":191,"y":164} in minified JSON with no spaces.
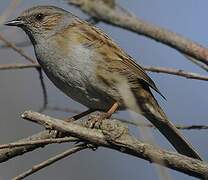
{"x":186,"y":99}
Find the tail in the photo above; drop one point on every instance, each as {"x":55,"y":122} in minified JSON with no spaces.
{"x":154,"y":113}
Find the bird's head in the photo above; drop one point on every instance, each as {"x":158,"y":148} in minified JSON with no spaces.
{"x":42,"y":21}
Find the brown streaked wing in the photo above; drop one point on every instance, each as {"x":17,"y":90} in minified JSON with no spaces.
{"x":139,"y":71}
{"x":98,"y":39}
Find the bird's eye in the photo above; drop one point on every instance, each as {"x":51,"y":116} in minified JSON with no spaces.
{"x":39,"y":17}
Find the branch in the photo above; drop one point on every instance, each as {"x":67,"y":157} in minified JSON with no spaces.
{"x":9,"y":153}
{"x":181,"y":127}
{"x":39,"y":142}
{"x":171,"y":71}
{"x":18,"y":66}
{"x":115,"y":135}
{"x":18,"y":44}
{"x":198,"y":63}
{"x":44,"y":90}
{"x":16,"y":49}
{"x":182,"y":73}
{"x":122,"y":18}
{"x":50,"y":161}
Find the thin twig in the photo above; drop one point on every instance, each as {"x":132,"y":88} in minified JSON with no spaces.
{"x":8,"y":153}
{"x":18,"y":66}
{"x":18,"y":44}
{"x":198,"y":63}
{"x":182,"y":73}
{"x":170,"y":71}
{"x":44,"y":90}
{"x":15,"y":48}
{"x":182,"y":127}
{"x":50,"y":161}
{"x":39,"y":142}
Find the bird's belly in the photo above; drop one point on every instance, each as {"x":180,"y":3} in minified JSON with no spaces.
{"x":78,"y":81}
{"x":81,"y":88}
{"x":76,"y":77}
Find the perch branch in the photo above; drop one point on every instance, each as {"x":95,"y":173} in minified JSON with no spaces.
{"x":116,"y":136}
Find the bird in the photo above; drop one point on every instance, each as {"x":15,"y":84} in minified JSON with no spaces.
{"x":89,"y":67}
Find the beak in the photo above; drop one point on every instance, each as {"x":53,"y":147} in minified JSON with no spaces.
{"x":15,"y":22}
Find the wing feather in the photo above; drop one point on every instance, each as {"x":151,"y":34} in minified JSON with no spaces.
{"x":96,"y":38}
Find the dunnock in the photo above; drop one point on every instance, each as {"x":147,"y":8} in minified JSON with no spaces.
{"x":83,"y":62}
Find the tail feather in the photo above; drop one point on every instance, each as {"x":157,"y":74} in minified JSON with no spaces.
{"x":154,"y":113}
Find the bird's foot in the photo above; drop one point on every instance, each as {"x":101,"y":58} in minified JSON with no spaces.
{"x":95,"y":120}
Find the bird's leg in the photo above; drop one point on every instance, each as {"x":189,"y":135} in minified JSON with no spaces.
{"x":79,"y":116}
{"x":74,"y":118}
{"x":111,"y":110}
{"x":95,"y":121}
